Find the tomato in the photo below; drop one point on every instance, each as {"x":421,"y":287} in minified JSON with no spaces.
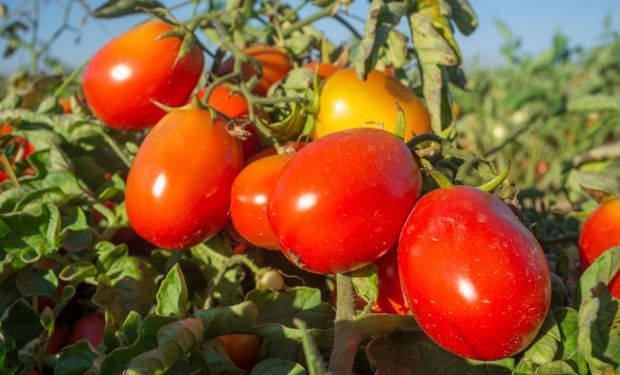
{"x":23,"y":147}
{"x":347,"y":102}
{"x":324,"y":70}
{"x":270,"y":279}
{"x":234,"y":106}
{"x":136,"y":68}
{"x":600,"y":232}
{"x":89,"y":328}
{"x":249,"y":196}
{"x":340,"y":203}
{"x":65,"y":104}
{"x":242,"y":349}
{"x":178,"y":188}
{"x":274,"y":61}
{"x":57,"y":341}
{"x":390,"y":299}
{"x":474,"y":277}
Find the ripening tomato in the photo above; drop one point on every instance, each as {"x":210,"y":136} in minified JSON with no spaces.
{"x":274,"y":61}
{"x":474,"y":277}
{"x":65,"y":104}
{"x":178,"y":188}
{"x":601,"y":232}
{"x":324,"y":70}
{"x":390,"y":299}
{"x":340,"y":203}
{"x":290,"y":148}
{"x":234,"y":106}
{"x":136,"y":68}
{"x":89,"y":328}
{"x":348,"y":102}
{"x":242,"y":349}
{"x":249,"y":197}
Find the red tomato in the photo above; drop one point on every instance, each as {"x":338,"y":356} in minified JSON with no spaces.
{"x":600,"y":232}
{"x":242,"y":349}
{"x":234,"y":106}
{"x":324,"y":69}
{"x":89,"y":328}
{"x":65,"y":104}
{"x":249,"y":197}
{"x":136,"y":68}
{"x":340,"y":203}
{"x":57,"y":341}
{"x":390,"y":299}
{"x":274,"y":61}
{"x":475,"y":278}
{"x":22,"y":144}
{"x":178,"y":189}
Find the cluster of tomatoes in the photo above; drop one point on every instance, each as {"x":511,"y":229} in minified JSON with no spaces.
{"x":474,"y":277}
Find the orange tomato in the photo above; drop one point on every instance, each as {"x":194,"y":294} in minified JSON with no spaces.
{"x":324,"y":70}
{"x":348,"y":102}
{"x":274,"y":61}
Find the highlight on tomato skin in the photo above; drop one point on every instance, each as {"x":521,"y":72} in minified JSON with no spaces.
{"x":167,"y":203}
{"x":340,"y":203}
{"x":601,"y":232}
{"x":138,"y":67}
{"x":474,"y":277}
{"x":347,"y":102}
{"x":249,"y":196}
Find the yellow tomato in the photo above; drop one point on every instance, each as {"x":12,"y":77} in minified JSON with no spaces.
{"x":348,"y":102}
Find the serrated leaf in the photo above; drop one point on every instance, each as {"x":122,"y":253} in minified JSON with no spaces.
{"x":119,"y":8}
{"x":108,"y":253}
{"x":172,"y":294}
{"x":273,"y":366}
{"x":544,"y":347}
{"x":78,"y":272}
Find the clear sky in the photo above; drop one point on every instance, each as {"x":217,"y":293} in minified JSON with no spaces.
{"x":534,"y":21}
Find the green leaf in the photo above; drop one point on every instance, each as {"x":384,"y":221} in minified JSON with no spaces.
{"x":556,"y":367}
{"x":382,"y":18}
{"x":117,"y":361}
{"x":463,"y":16}
{"x":119,"y":8}
{"x":21,"y":324}
{"x":568,"y":323}
{"x":275,"y":366}
{"x":544,"y":347}
{"x":283,"y":307}
{"x":593,"y":103}
{"x":604,"y":268}
{"x":172,"y":294}
{"x":366,"y":282}
{"x":78,"y":272}
{"x":36,"y":282}
{"x":400,"y":352}
{"x":210,"y":257}
{"x":75,"y":359}
{"x":314,"y":360}
{"x":108,"y":253}
{"x":131,"y":327}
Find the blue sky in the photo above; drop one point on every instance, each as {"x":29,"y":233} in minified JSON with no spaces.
{"x":534,"y":21}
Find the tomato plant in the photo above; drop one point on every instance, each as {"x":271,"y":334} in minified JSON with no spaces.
{"x":340,"y":202}
{"x":345,"y":104}
{"x":249,"y":196}
{"x":600,"y":232}
{"x":274,"y":62}
{"x":474,"y":277}
{"x":163,"y":180}
{"x":242,"y":349}
{"x":130,"y":72}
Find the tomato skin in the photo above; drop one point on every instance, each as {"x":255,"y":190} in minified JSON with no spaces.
{"x":290,"y":148}
{"x":249,"y":196}
{"x":324,"y":70}
{"x":57,"y":340}
{"x":339,"y":204}
{"x":127,"y":73}
{"x":89,"y":328}
{"x":274,"y":61}
{"x":390,"y":299}
{"x":475,"y":278}
{"x":242,"y":349}
{"x":234,"y":106}
{"x":600,"y":232}
{"x":65,"y":104}
{"x":347,"y":102}
{"x":175,"y":200}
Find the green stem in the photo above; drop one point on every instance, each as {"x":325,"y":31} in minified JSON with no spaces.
{"x":115,"y":147}
{"x":233,"y":261}
{"x":346,"y":337}
{"x":328,"y":10}
{"x":70,"y":79}
{"x":9,"y":170}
